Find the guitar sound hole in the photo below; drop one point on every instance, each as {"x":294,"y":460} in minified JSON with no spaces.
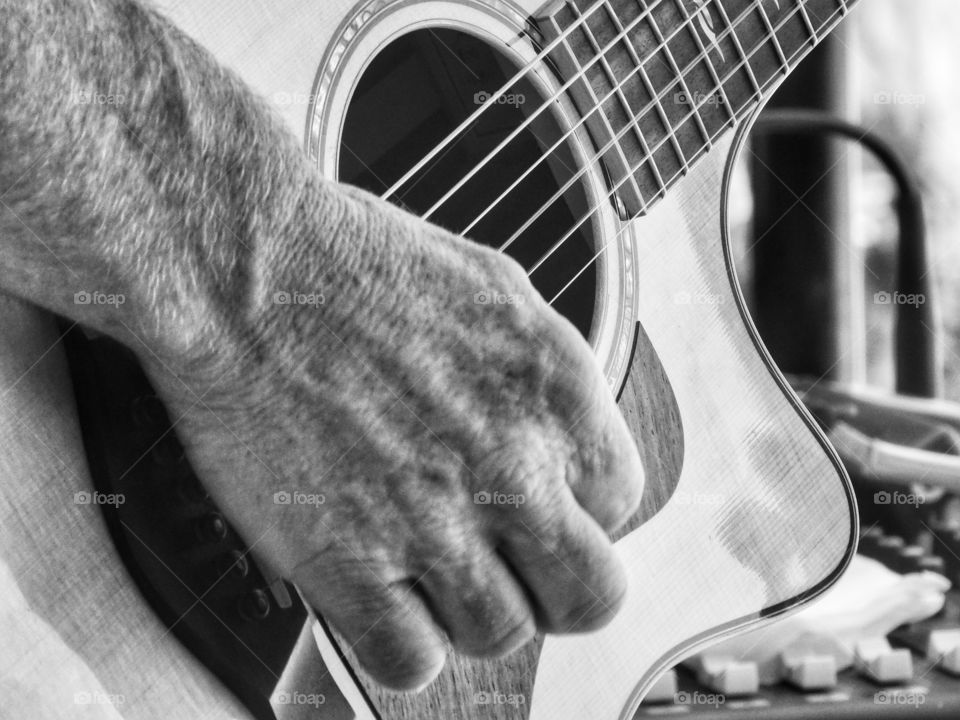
{"x":418,"y":90}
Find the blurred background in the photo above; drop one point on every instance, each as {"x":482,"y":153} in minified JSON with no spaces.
{"x":815,"y":222}
{"x":903,"y":63}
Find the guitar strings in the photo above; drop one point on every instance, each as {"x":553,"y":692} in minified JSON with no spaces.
{"x":670,"y":135}
{"x":548,"y":103}
{"x":841,"y":11}
{"x":649,"y":155}
{"x":459,"y":131}
{"x":519,"y":75}
{"x":704,"y":54}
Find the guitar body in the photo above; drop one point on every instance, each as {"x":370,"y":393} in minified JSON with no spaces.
{"x":746,"y":515}
{"x":747,"y":512}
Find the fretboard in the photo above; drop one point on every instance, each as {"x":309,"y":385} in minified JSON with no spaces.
{"x":659,"y":81}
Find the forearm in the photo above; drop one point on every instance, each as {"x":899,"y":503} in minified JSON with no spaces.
{"x":134,"y":169}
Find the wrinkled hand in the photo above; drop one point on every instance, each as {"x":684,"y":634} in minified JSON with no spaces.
{"x":401,"y":426}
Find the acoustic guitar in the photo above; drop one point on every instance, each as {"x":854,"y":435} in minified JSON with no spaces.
{"x":592,"y":140}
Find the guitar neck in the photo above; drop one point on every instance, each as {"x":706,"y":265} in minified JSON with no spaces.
{"x":662,"y":80}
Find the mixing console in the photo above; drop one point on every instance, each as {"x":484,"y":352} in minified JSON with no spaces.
{"x":913,"y":673}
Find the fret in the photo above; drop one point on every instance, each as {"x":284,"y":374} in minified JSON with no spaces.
{"x":631,"y":77}
{"x":698,"y":102}
{"x":592,"y":91}
{"x":776,"y":41}
{"x":632,"y":53}
{"x":817,"y":18}
{"x":754,"y":36}
{"x":688,"y":80}
{"x":806,"y":20}
{"x":658,"y":81}
{"x":825,"y":13}
{"x":711,"y":69}
{"x":658,"y":33}
{"x":792,"y":32}
{"x":661,"y":115}
{"x":671,"y":132}
{"x":743,"y":63}
{"x":658,"y":78}
{"x":647,"y":82}
{"x":611,"y":94}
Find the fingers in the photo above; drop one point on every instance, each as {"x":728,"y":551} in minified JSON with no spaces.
{"x":477,"y":601}
{"x":480,"y":603}
{"x":606,"y":473}
{"x":607,"y":477}
{"x":567,"y":562}
{"x":389,"y":627}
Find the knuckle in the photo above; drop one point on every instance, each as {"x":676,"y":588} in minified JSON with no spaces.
{"x":525,"y":463}
{"x":612,"y":475}
{"x":579,"y":393}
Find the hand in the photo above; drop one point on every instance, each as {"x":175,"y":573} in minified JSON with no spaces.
{"x":396,"y":421}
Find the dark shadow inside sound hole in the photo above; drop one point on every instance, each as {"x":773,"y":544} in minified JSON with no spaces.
{"x":418,"y":90}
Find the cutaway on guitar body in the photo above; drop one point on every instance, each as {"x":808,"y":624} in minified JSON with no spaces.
{"x":762,"y":519}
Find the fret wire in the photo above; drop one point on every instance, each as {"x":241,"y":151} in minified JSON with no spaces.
{"x":646,"y":158}
{"x":744,"y":63}
{"x":593,"y":211}
{"x":631,"y":51}
{"x":618,"y":91}
{"x":703,"y":52}
{"x":596,"y":158}
{"x":808,"y":22}
{"x":656,"y":99}
{"x":736,"y":43}
{"x":657,"y":106}
{"x":676,"y":71}
{"x":771,"y":81}
{"x":613,"y":191}
{"x":773,"y":36}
